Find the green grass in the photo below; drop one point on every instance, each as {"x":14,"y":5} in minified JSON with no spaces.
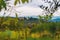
{"x":3,"y":35}
{"x":45,"y":38}
{"x":42,"y":38}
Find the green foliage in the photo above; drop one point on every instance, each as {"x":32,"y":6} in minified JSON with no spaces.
{"x":15,"y":24}
{"x":23,"y":1}
{"x":2,"y":4}
{"x":46,"y":17}
{"x":52,"y":28}
{"x":18,"y":1}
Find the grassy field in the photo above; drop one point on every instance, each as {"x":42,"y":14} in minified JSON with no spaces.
{"x":23,"y":29}
{"x":14,"y":36}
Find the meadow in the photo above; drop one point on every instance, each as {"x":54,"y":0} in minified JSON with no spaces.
{"x":28,"y":29}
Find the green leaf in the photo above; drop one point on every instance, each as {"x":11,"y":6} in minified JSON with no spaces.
{"x":16,"y":1}
{"x":23,"y":1}
{"x":2,"y":4}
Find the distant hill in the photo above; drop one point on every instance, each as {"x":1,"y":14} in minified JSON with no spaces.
{"x":55,"y":19}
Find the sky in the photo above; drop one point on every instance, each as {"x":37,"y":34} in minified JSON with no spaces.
{"x":26,"y":9}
